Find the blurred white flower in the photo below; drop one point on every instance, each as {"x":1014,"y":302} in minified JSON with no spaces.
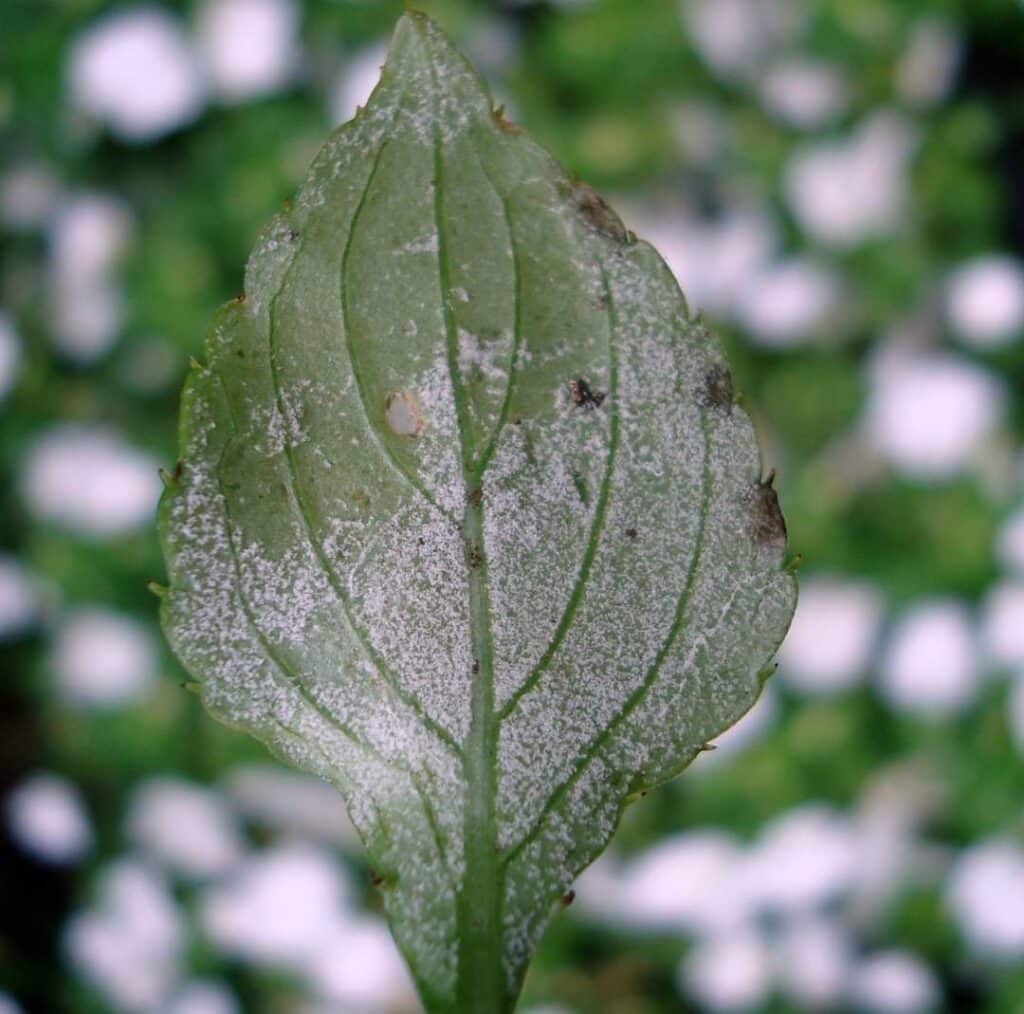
{"x":985,"y":301}
{"x":10,"y":354}
{"x":929,"y":666}
{"x":893,"y":982}
{"x":87,"y":238}
{"x":812,"y":961}
{"x":927,"y":415}
{"x":28,"y":196}
{"x":202,"y":996}
{"x":1003,"y":623}
{"x":788,"y":302}
{"x":128,"y":944}
{"x":47,"y":819}
{"x":985,"y":893}
{"x":277,"y":907}
{"x":734,"y":36}
{"x":8,"y":1005}
{"x":803,"y":93}
{"x":927,"y":69}
{"x":801,"y":860}
{"x":715,"y":262}
{"x":356,"y":79}
{"x":289,"y":802}
{"x":248,"y":47}
{"x":102,"y":659}
{"x":688,"y":882}
{"x":134,"y":71}
{"x":90,"y":480}
{"x":844,"y":192}
{"x":1010,"y":543}
{"x":19,"y":600}
{"x":186,"y":828}
{"x":729,"y":972}
{"x":832,"y":636}
{"x":358,"y":966}
{"x":1015,"y":707}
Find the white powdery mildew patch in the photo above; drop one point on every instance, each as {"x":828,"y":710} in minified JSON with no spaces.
{"x":640,"y":567}
{"x":409,"y":592}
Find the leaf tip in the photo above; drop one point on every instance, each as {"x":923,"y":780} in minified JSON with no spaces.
{"x":157,"y":589}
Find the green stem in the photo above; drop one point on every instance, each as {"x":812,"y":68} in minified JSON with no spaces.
{"x":481,"y":983}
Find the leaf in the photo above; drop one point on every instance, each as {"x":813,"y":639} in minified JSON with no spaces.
{"x":467,"y":520}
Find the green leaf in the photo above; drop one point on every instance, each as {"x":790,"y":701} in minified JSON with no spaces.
{"x":467,"y":520}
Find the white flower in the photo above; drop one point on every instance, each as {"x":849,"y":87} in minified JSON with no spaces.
{"x":812,"y":959}
{"x":802,"y":93}
{"x":803,"y":859}
{"x":844,"y":192}
{"x":358,"y":966}
{"x":832,"y":636}
{"x":1003,"y":623}
{"x":248,"y":47}
{"x":184,"y":827}
{"x":28,"y":196}
{"x":1015,"y":707}
{"x":88,"y":237}
{"x":927,"y":68}
{"x":129,"y":943}
{"x":10,"y":354}
{"x":1010,"y":543}
{"x":357,"y":78}
{"x":731,"y":972}
{"x":688,"y":882}
{"x":90,"y":480}
{"x":277,"y":907}
{"x":715,"y":262}
{"x":102,"y":659}
{"x":894,"y":982}
{"x":787,"y":303}
{"x":202,"y":996}
{"x":19,"y":600}
{"x":985,"y":892}
{"x":985,"y":301}
{"x":929,"y":667}
{"x":734,"y":36}
{"x":290,"y":802}
{"x":133,"y":69}
{"x":928,"y":415}
{"x":47,"y":819}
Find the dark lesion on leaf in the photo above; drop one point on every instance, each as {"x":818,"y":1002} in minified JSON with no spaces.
{"x":718,"y":391}
{"x":631,"y":533}
{"x":598,"y":214}
{"x":768,"y":527}
{"x":583,"y":396}
{"x":502,"y":122}
{"x":568,"y":898}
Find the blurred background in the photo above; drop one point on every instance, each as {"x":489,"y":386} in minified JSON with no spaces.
{"x":838,"y":186}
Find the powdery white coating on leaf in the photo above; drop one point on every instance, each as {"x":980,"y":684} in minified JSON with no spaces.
{"x":467,"y":521}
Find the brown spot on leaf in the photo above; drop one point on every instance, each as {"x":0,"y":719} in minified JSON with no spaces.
{"x":403,"y":414}
{"x":768,"y":527}
{"x":502,"y":122}
{"x":568,"y":898}
{"x":475,"y":496}
{"x":598,"y":214}
{"x":718,"y":391}
{"x":583,"y":397}
{"x":630,"y":533}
